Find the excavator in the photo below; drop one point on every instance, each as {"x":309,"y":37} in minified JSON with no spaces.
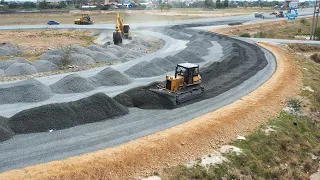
{"x":183,"y":86}
{"x":85,"y":19}
{"x":121,"y":31}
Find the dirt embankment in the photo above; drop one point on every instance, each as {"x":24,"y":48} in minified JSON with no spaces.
{"x":282,"y":29}
{"x":181,"y":143}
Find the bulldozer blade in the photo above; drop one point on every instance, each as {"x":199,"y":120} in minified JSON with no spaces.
{"x":165,"y":94}
{"x":189,"y":93}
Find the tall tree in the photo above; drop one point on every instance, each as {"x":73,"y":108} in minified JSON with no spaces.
{"x":208,"y":3}
{"x":218,"y":4}
{"x":245,"y":4}
{"x":225,"y":3}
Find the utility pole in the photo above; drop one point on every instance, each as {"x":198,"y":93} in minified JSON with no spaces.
{"x":315,"y":28}
{"x":312,"y":27}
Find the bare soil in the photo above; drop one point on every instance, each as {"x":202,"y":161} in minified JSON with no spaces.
{"x":129,"y":16}
{"x":181,"y":143}
{"x":282,"y":29}
{"x":36,"y":42}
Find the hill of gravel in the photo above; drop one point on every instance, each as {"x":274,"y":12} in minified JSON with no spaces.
{"x":5,"y":131}
{"x":29,"y":90}
{"x":97,"y":107}
{"x":240,"y":62}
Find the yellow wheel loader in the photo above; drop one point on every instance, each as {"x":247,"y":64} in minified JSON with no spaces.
{"x":183,"y":86}
{"x":85,"y":19}
{"x":122,"y":31}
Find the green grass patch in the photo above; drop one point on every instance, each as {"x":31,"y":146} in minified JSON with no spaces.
{"x":260,"y":35}
{"x":244,"y":35}
{"x":284,"y":154}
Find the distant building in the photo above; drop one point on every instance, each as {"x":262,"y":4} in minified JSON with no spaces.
{"x":294,"y":5}
{"x":286,"y":3}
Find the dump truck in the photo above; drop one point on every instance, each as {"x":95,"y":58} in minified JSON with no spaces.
{"x":121,"y":31}
{"x":183,"y":86}
{"x":84,"y":20}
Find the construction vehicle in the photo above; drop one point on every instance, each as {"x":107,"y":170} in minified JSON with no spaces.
{"x":121,"y":31}
{"x":183,"y":86}
{"x":85,"y":19}
{"x":280,"y":14}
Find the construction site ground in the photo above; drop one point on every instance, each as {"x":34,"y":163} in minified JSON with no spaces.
{"x":37,"y":42}
{"x":134,"y":16}
{"x":246,"y":85}
{"x":184,"y":142}
{"x":282,"y":29}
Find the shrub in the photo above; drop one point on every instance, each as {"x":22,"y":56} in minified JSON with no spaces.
{"x":244,"y":35}
{"x":315,"y":57}
{"x":303,"y":21}
{"x":260,"y":35}
{"x":295,"y":104}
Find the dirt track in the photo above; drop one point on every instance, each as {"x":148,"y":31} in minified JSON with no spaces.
{"x":181,"y":143}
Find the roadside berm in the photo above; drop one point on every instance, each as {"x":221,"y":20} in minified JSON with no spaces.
{"x":181,"y":143}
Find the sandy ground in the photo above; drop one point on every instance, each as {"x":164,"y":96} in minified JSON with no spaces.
{"x":129,"y":16}
{"x":181,"y":143}
{"x":36,"y":42}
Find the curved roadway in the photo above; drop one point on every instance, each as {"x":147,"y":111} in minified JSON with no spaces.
{"x":30,"y":149}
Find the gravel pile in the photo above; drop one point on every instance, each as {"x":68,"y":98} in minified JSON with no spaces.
{"x":175,"y":34}
{"x":18,"y":69}
{"x":82,"y":50}
{"x":2,"y":73}
{"x":80,"y":59}
{"x":199,"y":51}
{"x":164,"y":64}
{"x":7,"y":49}
{"x":5,"y":64}
{"x":57,"y":52}
{"x":72,"y":84}
{"x":105,"y":57}
{"x":96,"y":48}
{"x":175,"y":60}
{"x":55,"y":59}
{"x":5,"y":131}
{"x":243,"y":61}
{"x":189,"y":56}
{"x":142,"y":97}
{"x":109,"y":77}
{"x":200,"y":42}
{"x":116,"y":50}
{"x":130,"y":55}
{"x":145,"y":69}
{"x":29,"y":90}
{"x":45,"y":66}
{"x":97,"y":107}
{"x":20,"y":60}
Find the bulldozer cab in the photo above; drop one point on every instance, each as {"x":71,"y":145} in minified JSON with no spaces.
{"x":188,"y":71}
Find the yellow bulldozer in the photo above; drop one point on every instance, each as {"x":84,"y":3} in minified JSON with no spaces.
{"x":183,"y":86}
{"x":85,"y":19}
{"x":121,"y":31}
